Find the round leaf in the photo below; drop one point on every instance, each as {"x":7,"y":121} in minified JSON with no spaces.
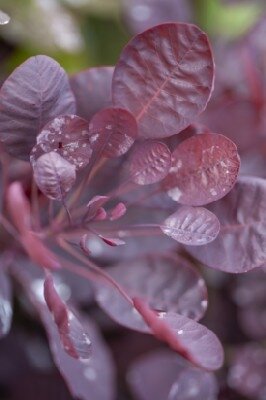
{"x":113,"y":131}
{"x":35,"y":93}
{"x":164,"y":77}
{"x":54,"y":175}
{"x":192,"y":225}
{"x":204,"y":169}
{"x":149,"y":163}
{"x":168,"y":283}
{"x":241,"y":243}
{"x":68,"y":135}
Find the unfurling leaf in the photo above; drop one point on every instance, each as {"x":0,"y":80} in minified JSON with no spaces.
{"x":54,"y":175}
{"x":194,"y":226}
{"x":35,"y":93}
{"x":189,"y":338}
{"x":204,"y":169}
{"x":68,"y":135}
{"x":164,"y":77}
{"x":73,"y":337}
{"x":113,"y":131}
{"x":149,"y":163}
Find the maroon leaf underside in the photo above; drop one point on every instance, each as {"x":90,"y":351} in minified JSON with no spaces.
{"x":35,"y":93}
{"x":54,"y":175}
{"x":164,"y":77}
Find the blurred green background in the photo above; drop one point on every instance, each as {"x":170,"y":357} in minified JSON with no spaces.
{"x":83,"y":33}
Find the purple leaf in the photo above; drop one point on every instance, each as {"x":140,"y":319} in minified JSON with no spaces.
{"x":164,"y":375}
{"x":72,"y":335}
{"x":142,"y":14}
{"x":118,"y":211}
{"x":248,"y":370}
{"x":113,"y":131}
{"x":88,"y":379}
{"x":6,"y":310}
{"x":92,"y":89}
{"x":68,"y":135}
{"x":194,"y":226}
{"x":240,"y":245}
{"x":94,"y":205}
{"x":164,"y":77}
{"x":35,"y":93}
{"x":149,"y":163}
{"x":188,"y":338}
{"x":54,"y":175}
{"x":204,"y":169}
{"x":112,"y":241}
{"x":168,"y":283}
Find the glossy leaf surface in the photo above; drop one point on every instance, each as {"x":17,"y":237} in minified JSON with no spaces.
{"x":113,"y":131}
{"x":54,"y":175}
{"x":67,"y":135}
{"x":204,"y":169}
{"x":149,"y":163}
{"x":162,"y":374}
{"x":167,"y":283}
{"x":92,"y":90}
{"x":190,"y":339}
{"x":74,"y":339}
{"x":240,"y":245}
{"x":164,"y":77}
{"x":194,"y":226}
{"x":35,"y":93}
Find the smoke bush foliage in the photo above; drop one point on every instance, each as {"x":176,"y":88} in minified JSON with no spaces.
{"x":124,"y":191}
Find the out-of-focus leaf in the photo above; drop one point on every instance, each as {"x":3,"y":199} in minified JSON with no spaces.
{"x":240,"y":245}
{"x":54,"y":175}
{"x":68,"y":135}
{"x":194,"y":226}
{"x":204,"y":169}
{"x":113,"y":131}
{"x":92,"y":90}
{"x":149,"y":163}
{"x":143,"y":14}
{"x":86,"y":379}
{"x":36,"y":92}
{"x":6,"y":310}
{"x":45,"y":25}
{"x":73,"y":337}
{"x":168,"y":283}
{"x":247,"y":371}
{"x":164,"y":375}
{"x":164,"y":77}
